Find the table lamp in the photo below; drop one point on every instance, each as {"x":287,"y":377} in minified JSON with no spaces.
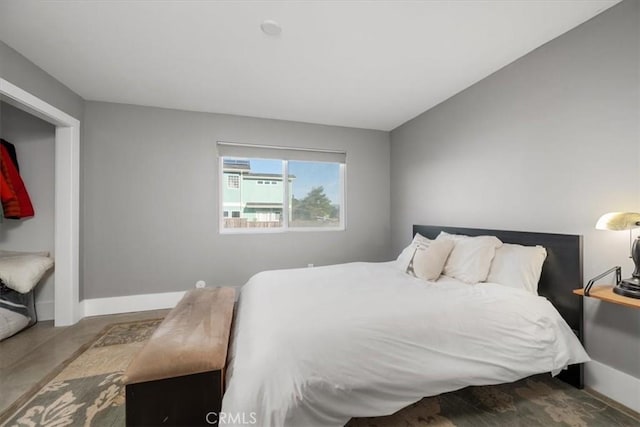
{"x":625,"y":221}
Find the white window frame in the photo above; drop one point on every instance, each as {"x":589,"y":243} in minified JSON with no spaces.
{"x":285,"y":206}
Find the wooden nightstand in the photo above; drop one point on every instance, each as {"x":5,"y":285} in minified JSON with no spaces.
{"x":605,"y":293}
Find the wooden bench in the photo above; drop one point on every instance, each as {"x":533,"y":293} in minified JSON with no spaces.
{"x":178,"y":376}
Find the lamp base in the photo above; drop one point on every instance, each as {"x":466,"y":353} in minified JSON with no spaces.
{"x":628,"y":288}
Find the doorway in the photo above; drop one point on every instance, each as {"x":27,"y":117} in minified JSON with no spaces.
{"x":67,"y":199}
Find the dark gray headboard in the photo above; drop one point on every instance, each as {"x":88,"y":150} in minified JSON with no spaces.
{"x":561,"y":273}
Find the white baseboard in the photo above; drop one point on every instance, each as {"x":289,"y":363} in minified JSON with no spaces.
{"x":614,"y":384}
{"x":45,"y":310}
{"x":129,"y":303}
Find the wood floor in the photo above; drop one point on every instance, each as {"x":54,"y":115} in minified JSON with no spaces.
{"x":27,"y":357}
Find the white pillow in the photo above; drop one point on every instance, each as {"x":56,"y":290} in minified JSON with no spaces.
{"x":518,"y":266}
{"x":405,"y":257}
{"x":23,"y":272}
{"x":470,"y":259}
{"x":11,"y":323}
{"x":429,"y":260}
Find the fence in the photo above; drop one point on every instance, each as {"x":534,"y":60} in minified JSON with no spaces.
{"x":244,"y":223}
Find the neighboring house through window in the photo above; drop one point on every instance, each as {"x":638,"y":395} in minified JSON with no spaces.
{"x":271,"y":188}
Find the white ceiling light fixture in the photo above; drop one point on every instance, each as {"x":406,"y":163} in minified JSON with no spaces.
{"x":271,"y":27}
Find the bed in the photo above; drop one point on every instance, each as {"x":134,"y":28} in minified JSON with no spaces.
{"x":316,"y":347}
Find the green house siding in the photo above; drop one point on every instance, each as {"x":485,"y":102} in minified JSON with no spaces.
{"x":262,"y":190}
{"x":256,"y":197}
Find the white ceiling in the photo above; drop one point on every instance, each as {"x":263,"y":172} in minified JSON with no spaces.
{"x":368,"y":64}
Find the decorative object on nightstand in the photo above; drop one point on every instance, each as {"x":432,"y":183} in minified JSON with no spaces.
{"x":623,"y":221}
{"x":618,"y":271}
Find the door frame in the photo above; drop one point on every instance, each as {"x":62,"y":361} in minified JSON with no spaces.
{"x":67,"y":200}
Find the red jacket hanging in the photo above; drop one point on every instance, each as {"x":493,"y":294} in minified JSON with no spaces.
{"x":6,"y":193}
{"x":20,"y":206}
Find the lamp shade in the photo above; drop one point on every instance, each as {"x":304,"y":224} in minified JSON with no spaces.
{"x":618,"y":221}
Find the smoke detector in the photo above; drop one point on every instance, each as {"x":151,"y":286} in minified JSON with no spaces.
{"x":271,"y":27}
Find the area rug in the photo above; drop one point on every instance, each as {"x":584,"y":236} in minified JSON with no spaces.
{"x":537,"y":401}
{"x":88,"y":391}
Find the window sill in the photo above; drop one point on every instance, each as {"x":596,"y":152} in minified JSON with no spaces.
{"x":278,"y":230}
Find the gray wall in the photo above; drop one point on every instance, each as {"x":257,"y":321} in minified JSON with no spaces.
{"x":23,"y":73}
{"x":18,"y":70}
{"x":34,"y":140}
{"x":150,"y":200}
{"x":548,"y":143}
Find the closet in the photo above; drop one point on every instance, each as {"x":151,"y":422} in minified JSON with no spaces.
{"x":34,"y":142}
{"x":67,"y":306}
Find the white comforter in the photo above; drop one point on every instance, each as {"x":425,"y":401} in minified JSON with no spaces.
{"x":315,"y":347}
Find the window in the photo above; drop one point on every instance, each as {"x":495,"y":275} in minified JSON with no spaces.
{"x":280,"y":189}
{"x":316,"y":194}
{"x":233,"y":181}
